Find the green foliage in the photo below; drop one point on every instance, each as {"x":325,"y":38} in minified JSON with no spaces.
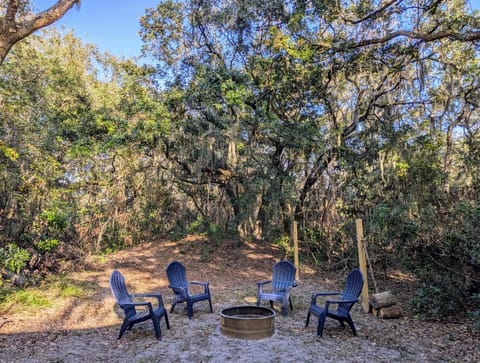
{"x":47,"y":245}
{"x":112,"y":242}
{"x":316,"y":241}
{"x":14,"y":258}
{"x":390,"y":227}
{"x":9,"y":152}
{"x":52,"y":290}
{"x":202,"y":227}
{"x":198,"y":226}
{"x":284,"y":246}
{"x":29,"y":299}
{"x":205,"y":253}
{"x":56,"y":217}
{"x":67,"y":288}
{"x":72,"y":291}
{"x":435,"y":302}
{"x":5,"y":292}
{"x":234,"y":94}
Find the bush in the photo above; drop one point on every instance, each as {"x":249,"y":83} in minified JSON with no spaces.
{"x":14,"y":258}
{"x":435,"y":302}
{"x":47,"y":245}
{"x":199,"y":226}
{"x":475,"y":316}
{"x":56,"y":217}
{"x":283,"y":243}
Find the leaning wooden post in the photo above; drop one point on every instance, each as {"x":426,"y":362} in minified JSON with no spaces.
{"x":363,"y":265}
{"x":295,"y":249}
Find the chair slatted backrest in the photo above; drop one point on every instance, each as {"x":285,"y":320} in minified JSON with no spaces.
{"x":119,"y":290}
{"x":283,"y":275}
{"x":177,"y":277}
{"x":353,"y":288}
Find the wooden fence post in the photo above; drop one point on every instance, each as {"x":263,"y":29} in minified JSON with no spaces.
{"x":363,"y":265}
{"x":295,"y":249}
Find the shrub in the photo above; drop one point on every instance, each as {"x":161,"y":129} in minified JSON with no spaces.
{"x":47,"y":245}
{"x":14,"y":258}
{"x":56,"y":218}
{"x":283,"y":243}
{"x":475,"y":316}
{"x":434,"y":302}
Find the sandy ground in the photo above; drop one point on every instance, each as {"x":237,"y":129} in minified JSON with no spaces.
{"x":81,"y":330}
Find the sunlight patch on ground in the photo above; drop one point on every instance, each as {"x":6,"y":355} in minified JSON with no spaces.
{"x":258,"y":256}
{"x":250,"y":299}
{"x":402,"y":276}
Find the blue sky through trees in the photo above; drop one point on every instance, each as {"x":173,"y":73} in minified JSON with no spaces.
{"x":113,"y":25}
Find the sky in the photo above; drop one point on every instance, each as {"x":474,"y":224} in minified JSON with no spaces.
{"x":113,"y":25}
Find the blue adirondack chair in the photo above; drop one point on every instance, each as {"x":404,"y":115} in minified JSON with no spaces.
{"x":343,"y":303}
{"x":177,"y":279}
{"x":278,"y":289}
{"x":132,"y":315}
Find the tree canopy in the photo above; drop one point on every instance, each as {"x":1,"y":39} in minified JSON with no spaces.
{"x":255,"y":115}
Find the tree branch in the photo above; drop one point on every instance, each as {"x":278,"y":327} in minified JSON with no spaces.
{"x":372,"y":15}
{"x":13,"y":30}
{"x":46,"y":17}
{"x":426,"y":37}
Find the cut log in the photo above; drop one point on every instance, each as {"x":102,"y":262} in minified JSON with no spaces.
{"x":382,"y":300}
{"x":390,"y":312}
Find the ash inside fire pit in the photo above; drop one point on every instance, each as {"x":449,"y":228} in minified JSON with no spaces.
{"x":248,"y":322}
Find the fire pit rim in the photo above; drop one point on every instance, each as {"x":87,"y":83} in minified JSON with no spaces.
{"x":258,"y":322}
{"x":263,"y":308}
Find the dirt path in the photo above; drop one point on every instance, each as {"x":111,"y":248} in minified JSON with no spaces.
{"x":86,"y":329}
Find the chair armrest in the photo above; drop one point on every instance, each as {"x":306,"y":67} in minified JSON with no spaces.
{"x":261,"y":283}
{"x":182,"y":288}
{"x":146,"y":304}
{"x":328,"y":302}
{"x":315,"y":295}
{"x":132,"y":304}
{"x":201,"y":283}
{"x":341,"y":301}
{"x":156,"y":295}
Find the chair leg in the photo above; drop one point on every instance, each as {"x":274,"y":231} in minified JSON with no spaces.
{"x":210,"y":303}
{"x":190,"y":309}
{"x":156,"y":327}
{"x":124,"y":327}
{"x":271,"y":304}
{"x":290,"y":301}
{"x":166,"y":320}
{"x":285,"y":307}
{"x":352,"y":326}
{"x":308,"y":319}
{"x":321,"y":324}
{"x":173,"y":305}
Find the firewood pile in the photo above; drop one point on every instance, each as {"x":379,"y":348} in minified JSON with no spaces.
{"x":385,"y":305}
